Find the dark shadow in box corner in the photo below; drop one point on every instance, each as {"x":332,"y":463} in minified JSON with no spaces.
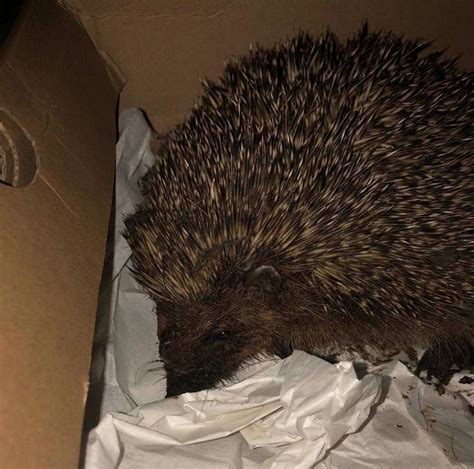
{"x":9,"y":11}
{"x":102,"y":325}
{"x":101,"y":333}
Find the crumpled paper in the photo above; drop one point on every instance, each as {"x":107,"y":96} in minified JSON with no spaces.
{"x":299,"y":407}
{"x":294,"y":413}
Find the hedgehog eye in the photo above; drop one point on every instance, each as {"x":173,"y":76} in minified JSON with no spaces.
{"x":167,"y":336}
{"x":217,"y":336}
{"x":220,"y":335}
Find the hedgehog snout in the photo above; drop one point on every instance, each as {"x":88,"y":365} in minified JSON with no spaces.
{"x":201,"y":361}
{"x":183,"y":383}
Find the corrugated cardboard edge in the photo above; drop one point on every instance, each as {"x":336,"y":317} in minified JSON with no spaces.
{"x":23,"y":171}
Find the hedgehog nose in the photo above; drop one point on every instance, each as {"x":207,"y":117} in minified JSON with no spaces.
{"x":173,"y":390}
{"x":176,"y":386}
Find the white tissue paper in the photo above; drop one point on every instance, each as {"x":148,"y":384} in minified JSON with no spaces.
{"x":300,"y":412}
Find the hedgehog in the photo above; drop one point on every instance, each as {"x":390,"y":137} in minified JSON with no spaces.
{"x":318,"y":197}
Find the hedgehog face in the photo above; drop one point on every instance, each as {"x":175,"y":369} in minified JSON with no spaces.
{"x":200,"y":351}
{"x":206,"y":343}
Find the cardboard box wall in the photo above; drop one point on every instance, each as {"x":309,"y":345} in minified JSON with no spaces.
{"x":57,"y":110}
{"x":54,"y":86}
{"x":163,"y":47}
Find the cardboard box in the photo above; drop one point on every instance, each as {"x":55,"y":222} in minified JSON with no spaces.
{"x":57,"y":134}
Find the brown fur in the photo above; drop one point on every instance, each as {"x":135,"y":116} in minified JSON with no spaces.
{"x":348,"y":169}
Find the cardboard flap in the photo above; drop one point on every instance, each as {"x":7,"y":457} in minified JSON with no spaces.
{"x":57,"y":122}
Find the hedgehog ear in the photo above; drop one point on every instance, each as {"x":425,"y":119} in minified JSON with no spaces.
{"x":266,"y":277}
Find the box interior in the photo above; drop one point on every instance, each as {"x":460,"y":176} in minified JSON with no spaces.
{"x":60,"y":68}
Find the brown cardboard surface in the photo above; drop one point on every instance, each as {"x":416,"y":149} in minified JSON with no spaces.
{"x":163,"y":47}
{"x":52,"y":235}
